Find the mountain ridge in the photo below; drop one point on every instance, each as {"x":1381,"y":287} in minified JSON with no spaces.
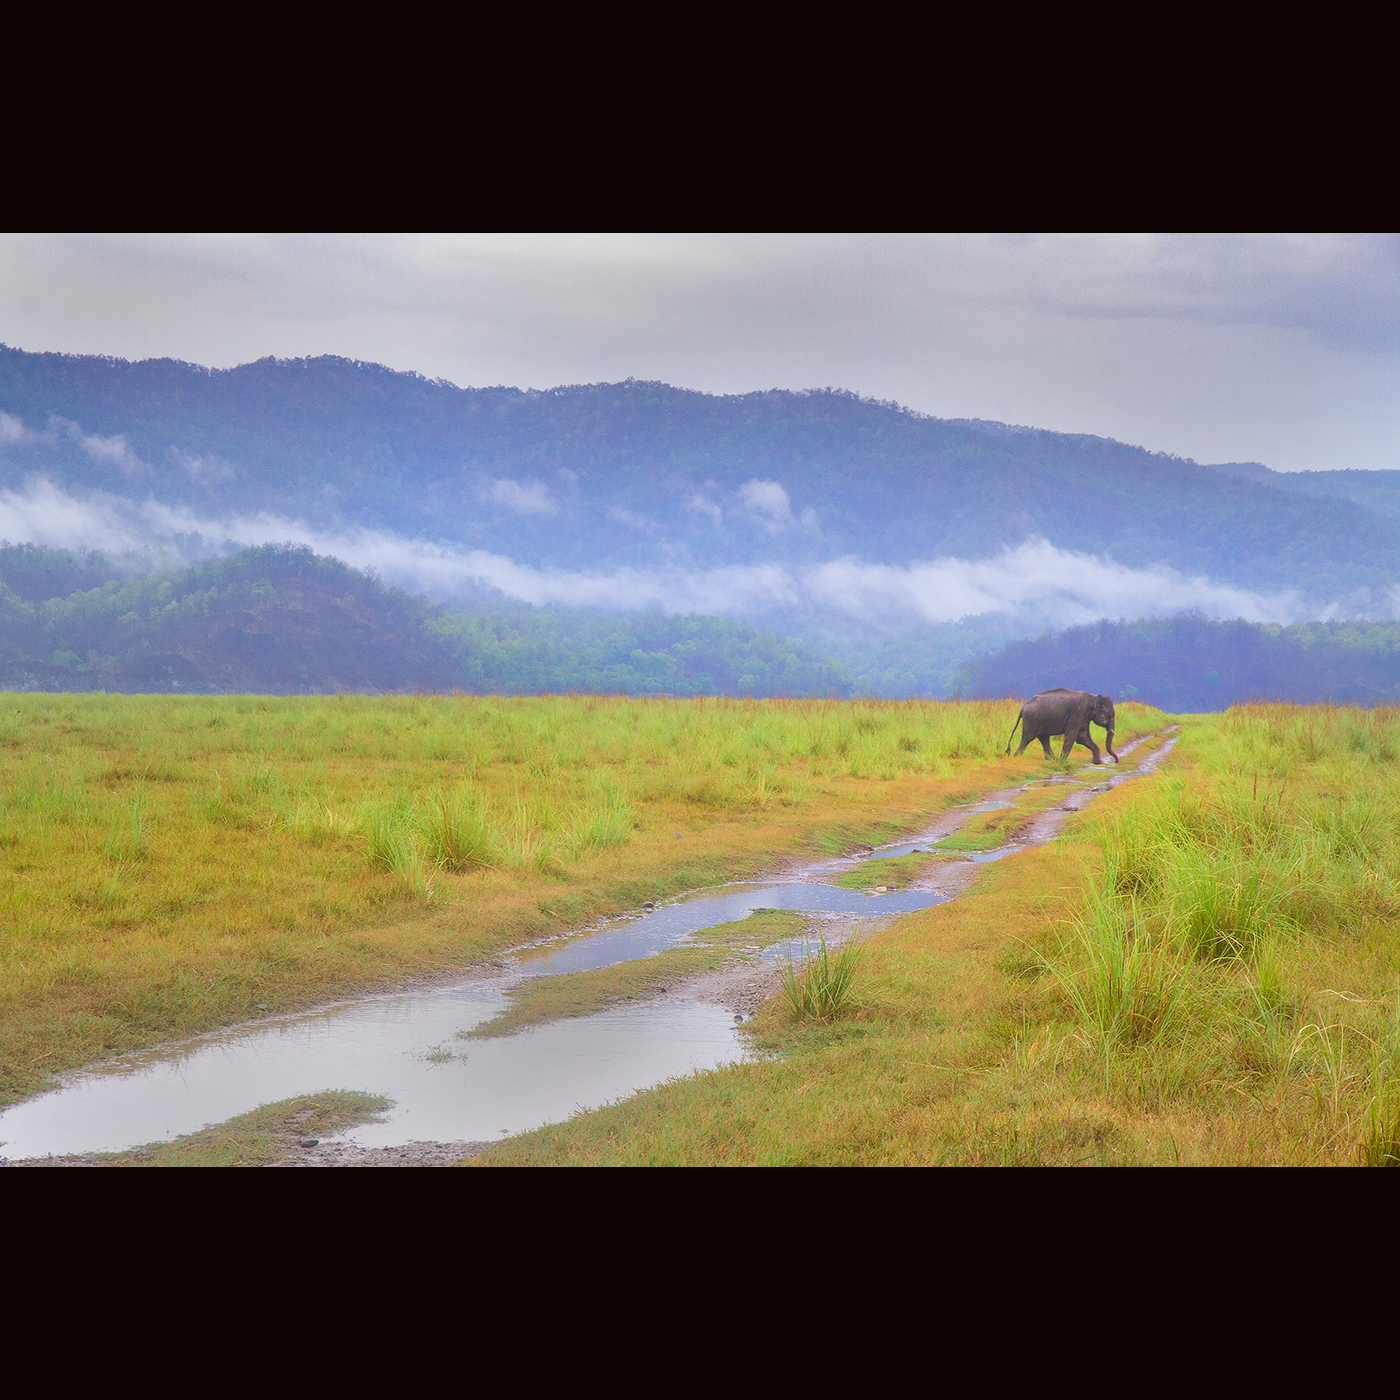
{"x":639,"y":474}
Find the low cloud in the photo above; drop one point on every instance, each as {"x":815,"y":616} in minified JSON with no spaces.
{"x":1065,"y":587}
{"x":41,"y":513}
{"x":529,"y":498}
{"x":1035,"y":582}
{"x":768,"y":501}
{"x":1057,"y":587}
{"x":112,"y":451}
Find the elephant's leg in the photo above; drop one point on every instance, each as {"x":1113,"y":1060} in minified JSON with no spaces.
{"x":1087,"y":739}
{"x":1025,"y":739}
{"x":1045,"y":744}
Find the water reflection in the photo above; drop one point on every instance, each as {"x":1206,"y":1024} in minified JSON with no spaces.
{"x":410,"y":1048}
{"x":674,"y":923}
{"x":406,"y":1047}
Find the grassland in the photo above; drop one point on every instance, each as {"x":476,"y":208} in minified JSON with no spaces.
{"x":169,"y":865}
{"x":1204,"y":969}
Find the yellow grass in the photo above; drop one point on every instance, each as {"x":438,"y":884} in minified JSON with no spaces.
{"x":168,"y":865}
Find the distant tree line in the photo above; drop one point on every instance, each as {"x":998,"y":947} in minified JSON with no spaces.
{"x":1191,"y":664}
{"x":280,"y":619}
{"x":35,"y":573}
{"x":562,"y":649}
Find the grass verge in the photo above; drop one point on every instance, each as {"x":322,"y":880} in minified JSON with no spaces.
{"x":893,"y":872}
{"x":267,"y":1134}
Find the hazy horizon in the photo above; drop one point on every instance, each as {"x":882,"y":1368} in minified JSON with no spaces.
{"x":1275,"y":349}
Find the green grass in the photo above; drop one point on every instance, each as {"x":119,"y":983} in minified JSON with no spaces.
{"x":822,"y":985}
{"x":894,"y":872}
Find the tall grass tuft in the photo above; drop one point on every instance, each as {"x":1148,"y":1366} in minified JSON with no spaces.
{"x":1127,"y":987}
{"x":1380,"y":1147}
{"x":126,"y":838}
{"x":606,"y":822}
{"x":523,"y":841}
{"x":456,"y":832}
{"x":824,"y":986}
{"x":1380,"y":1142}
{"x":394,"y":846}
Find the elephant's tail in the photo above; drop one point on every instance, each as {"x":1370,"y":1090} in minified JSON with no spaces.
{"x":1012,"y":735}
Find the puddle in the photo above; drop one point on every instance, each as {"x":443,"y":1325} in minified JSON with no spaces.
{"x":408,"y":1046}
{"x":405,"y":1047}
{"x":673,"y":923}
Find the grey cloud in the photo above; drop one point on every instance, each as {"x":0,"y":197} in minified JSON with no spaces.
{"x":1281,"y":349}
{"x":1344,"y":289}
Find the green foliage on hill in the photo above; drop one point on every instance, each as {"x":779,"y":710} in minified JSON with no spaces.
{"x":1193,"y":665}
{"x":559,"y":650}
{"x":282,"y":620}
{"x":35,"y":573}
{"x":1377,"y":491}
{"x":276,"y":619}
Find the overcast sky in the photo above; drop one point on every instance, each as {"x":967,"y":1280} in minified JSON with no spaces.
{"x":1278,"y":349}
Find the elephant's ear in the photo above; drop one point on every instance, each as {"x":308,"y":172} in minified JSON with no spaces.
{"x":1077,"y":721}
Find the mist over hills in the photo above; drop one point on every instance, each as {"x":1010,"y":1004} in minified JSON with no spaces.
{"x":898,"y":545}
{"x":280,"y":620}
{"x":640,"y":481}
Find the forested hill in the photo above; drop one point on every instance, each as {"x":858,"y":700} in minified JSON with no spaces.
{"x":282,"y":620}
{"x":640,"y":474}
{"x":1378,"y":491}
{"x":1191,"y":665}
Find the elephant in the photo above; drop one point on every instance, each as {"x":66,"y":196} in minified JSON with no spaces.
{"x":1067,"y":712}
